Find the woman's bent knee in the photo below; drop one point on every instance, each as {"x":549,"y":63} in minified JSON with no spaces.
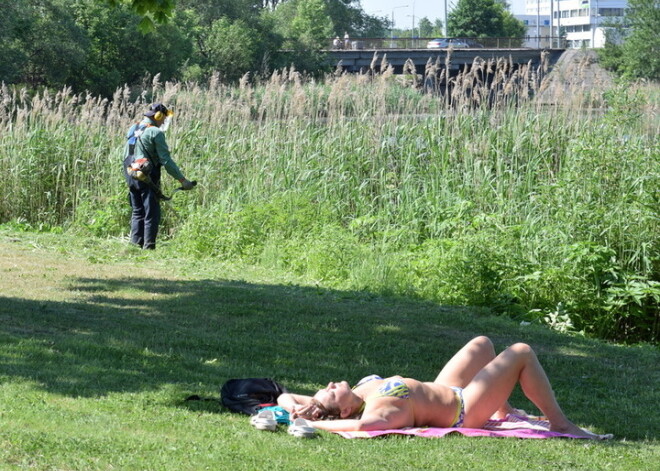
{"x":482,"y":340}
{"x":521,"y":349}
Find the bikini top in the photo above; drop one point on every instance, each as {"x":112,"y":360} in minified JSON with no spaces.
{"x":393,"y":387}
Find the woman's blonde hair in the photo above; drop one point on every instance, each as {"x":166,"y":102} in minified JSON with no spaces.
{"x":321,"y":412}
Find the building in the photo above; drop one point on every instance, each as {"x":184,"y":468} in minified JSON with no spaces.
{"x":539,"y":33}
{"x":580,"y":23}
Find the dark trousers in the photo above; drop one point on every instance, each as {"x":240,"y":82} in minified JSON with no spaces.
{"x":146,"y":211}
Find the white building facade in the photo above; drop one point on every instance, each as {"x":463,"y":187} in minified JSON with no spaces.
{"x":539,"y":32}
{"x":580,"y":23}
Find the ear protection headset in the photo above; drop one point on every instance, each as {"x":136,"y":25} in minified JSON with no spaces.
{"x":162,"y":112}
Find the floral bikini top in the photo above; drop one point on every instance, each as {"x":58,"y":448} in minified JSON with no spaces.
{"x":393,"y":387}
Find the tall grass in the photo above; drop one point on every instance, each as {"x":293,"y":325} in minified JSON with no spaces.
{"x":474,"y":193}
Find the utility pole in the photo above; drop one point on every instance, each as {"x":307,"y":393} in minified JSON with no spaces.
{"x":552,"y":23}
{"x":392,"y":29}
{"x":413,"y":28}
{"x":558,"y":23}
{"x":538,"y":26}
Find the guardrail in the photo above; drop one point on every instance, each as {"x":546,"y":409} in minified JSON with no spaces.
{"x":538,"y":42}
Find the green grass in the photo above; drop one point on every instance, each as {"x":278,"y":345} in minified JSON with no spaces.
{"x":100,"y":344}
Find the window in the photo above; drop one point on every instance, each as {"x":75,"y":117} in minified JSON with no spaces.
{"x":610,"y":11}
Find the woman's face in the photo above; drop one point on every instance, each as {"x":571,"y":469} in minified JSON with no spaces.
{"x":335,"y":396}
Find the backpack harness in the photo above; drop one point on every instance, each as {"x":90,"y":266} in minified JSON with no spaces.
{"x":140,"y":169}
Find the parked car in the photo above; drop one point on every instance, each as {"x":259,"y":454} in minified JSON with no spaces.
{"x":471,"y":43}
{"x":442,"y":43}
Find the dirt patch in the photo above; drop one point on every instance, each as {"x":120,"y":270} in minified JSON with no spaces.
{"x":37,"y":271}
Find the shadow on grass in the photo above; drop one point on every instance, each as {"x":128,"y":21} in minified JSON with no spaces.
{"x":134,"y":335}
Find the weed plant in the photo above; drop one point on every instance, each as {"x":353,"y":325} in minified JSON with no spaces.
{"x":471,"y":193}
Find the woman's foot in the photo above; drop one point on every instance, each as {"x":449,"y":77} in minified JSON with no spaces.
{"x":571,"y":429}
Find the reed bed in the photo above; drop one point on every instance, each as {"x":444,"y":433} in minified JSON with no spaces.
{"x":467,"y":190}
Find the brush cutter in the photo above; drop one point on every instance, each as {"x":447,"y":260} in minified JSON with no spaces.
{"x":140,"y":170}
{"x":160,"y":194}
{"x":194,"y":184}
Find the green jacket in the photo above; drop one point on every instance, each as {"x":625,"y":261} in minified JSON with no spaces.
{"x":152,"y":145}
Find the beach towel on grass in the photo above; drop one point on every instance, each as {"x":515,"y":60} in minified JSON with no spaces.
{"x":511,"y":426}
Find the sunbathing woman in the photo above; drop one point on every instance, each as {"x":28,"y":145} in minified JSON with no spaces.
{"x":472,"y":387}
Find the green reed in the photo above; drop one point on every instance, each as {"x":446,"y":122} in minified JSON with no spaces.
{"x":482,"y":195}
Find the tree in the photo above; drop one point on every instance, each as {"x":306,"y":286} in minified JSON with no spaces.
{"x":117,"y":53}
{"x":40,"y":42}
{"x":512,"y":26}
{"x":632,"y":47}
{"x":15,"y":19}
{"x":641,"y":49}
{"x":312,"y":26}
{"x":212,"y":10}
{"x":428,"y":29}
{"x":482,"y":19}
{"x":348,"y":16}
{"x":158,"y":11}
{"x":232,"y":47}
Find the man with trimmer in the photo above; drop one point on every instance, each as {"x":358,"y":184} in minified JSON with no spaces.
{"x":146,"y":152}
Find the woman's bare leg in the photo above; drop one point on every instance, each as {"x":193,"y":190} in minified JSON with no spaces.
{"x":466,"y":363}
{"x":492,"y":386}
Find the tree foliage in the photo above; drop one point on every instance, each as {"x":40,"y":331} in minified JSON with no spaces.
{"x":633,"y":48}
{"x":482,"y":19}
{"x":312,"y":25}
{"x":159,"y":11}
{"x":232,"y":47}
{"x":428,"y":29}
{"x":41,"y":43}
{"x":99,"y":45}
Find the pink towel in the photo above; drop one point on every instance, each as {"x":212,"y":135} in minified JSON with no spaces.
{"x":511,"y":426}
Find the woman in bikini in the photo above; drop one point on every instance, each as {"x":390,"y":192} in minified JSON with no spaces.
{"x":472,"y":387}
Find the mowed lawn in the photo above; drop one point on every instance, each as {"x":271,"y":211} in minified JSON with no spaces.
{"x":100,"y":344}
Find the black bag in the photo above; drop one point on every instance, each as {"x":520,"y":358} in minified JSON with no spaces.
{"x":250,"y":394}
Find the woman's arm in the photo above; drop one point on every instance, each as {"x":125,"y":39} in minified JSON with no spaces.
{"x":385,"y":417}
{"x":292,"y":402}
{"x":364,"y":424}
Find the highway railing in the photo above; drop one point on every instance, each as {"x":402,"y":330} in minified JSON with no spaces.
{"x":538,"y":42}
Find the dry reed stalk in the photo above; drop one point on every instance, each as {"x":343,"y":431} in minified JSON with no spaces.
{"x":372,"y":65}
{"x":410,"y":71}
{"x":384,"y":65}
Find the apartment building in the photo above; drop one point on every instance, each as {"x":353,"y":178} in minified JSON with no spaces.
{"x":581,"y":23}
{"x":539,"y":32}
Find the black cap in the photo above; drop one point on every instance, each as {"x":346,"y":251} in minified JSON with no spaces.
{"x":155,"y":108}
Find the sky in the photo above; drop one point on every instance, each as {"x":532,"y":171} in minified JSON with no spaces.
{"x":405,"y":9}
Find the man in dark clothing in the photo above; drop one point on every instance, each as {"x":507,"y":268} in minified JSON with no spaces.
{"x":147,"y":140}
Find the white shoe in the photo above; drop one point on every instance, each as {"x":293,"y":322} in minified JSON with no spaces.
{"x":301,"y":428}
{"x":264,"y":420}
